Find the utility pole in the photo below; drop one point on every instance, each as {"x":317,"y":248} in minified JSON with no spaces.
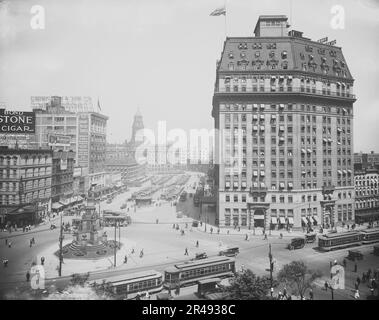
{"x":271,"y":265}
{"x":60,"y":248}
{"x":115,"y":242}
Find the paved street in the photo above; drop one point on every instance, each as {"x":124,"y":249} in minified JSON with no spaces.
{"x":163,"y":246}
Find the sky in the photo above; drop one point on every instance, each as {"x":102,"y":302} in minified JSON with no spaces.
{"x":160,"y":55}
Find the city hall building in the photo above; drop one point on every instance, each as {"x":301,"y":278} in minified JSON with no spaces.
{"x":283,"y":108}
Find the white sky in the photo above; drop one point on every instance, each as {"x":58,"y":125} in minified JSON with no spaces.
{"x":160,"y":55}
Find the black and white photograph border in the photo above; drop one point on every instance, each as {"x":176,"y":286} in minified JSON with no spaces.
{"x":206,"y":151}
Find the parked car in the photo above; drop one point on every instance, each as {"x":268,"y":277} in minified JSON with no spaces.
{"x":310,"y":238}
{"x":355,"y":255}
{"x":53,"y":226}
{"x":296,"y":243}
{"x":230,"y":252}
{"x":199,"y":256}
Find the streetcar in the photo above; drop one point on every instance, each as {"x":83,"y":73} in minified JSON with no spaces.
{"x":340,"y":240}
{"x":189,"y":273}
{"x":128,"y":286}
{"x":370,"y":235}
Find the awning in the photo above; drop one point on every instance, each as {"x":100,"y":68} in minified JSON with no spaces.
{"x":255,"y":128}
{"x":282,"y":220}
{"x":290,"y":77}
{"x":315,"y":218}
{"x":259,"y":217}
{"x":305,"y":221}
{"x":262,"y":173}
{"x":290,"y":185}
{"x":344,"y":172}
{"x":273,"y":77}
{"x":339,"y":172}
{"x":227,"y":184}
{"x":262,"y":116}
{"x":273,"y":116}
{"x":243,"y":184}
{"x":344,"y":110}
{"x":64,"y":202}
{"x":281,"y":128}
{"x":290,"y":220}
{"x":325,"y":140}
{"x":303,"y":151}
{"x":262,"y":128}
{"x":330,"y":140}
{"x":281,"y":139}
{"x":339,"y":129}
{"x":281,"y":185}
{"x":263,"y":185}
{"x":255,"y":173}
{"x":349,"y":171}
{"x":235,"y":184}
{"x":255,"y":184}
{"x":255,"y":117}
{"x":56,"y":205}
{"x":274,"y":220}
{"x":309,"y":151}
{"x":281,"y":106}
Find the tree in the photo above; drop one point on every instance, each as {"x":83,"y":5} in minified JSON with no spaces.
{"x":247,"y":286}
{"x":297,"y":275}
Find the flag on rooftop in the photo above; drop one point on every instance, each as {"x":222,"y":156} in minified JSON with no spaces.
{"x":98,"y":104}
{"x":219,"y":12}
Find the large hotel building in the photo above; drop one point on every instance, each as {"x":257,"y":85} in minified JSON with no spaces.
{"x":283,"y":105}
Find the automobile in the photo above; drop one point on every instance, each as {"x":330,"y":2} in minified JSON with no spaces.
{"x":195,"y":224}
{"x":310,"y":238}
{"x":296,"y":243}
{"x":53,"y":226}
{"x":354,"y":255}
{"x":200,"y":255}
{"x":230,"y":252}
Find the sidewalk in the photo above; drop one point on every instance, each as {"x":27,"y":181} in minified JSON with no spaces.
{"x":43,"y":226}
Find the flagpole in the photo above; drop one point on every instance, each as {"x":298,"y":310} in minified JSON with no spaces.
{"x":225,"y":18}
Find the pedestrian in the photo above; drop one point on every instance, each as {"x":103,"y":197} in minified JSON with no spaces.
{"x":344,"y":263}
{"x":218,"y":231}
{"x":227,"y":232}
{"x":356,"y":285}
{"x":330,"y":264}
{"x":27,"y":276}
{"x":265,"y":238}
{"x":186,"y":252}
{"x":10,"y":244}
{"x":356,"y":295}
{"x":359,"y":281}
{"x":30,"y":243}
{"x":355,"y":267}
{"x":326,"y":285}
{"x":34,"y":242}
{"x":246,"y":236}
{"x":133,"y":251}
{"x":141,"y":254}
{"x":239,"y":228}
{"x":285,"y":291}
{"x":125,"y":259}
{"x":197,"y":243}
{"x":272,"y":291}
{"x":42,"y":261}
{"x":173,"y":226}
{"x":369,"y":273}
{"x":6,"y":241}
{"x":5,"y":263}
{"x":310,"y":294}
{"x":211,"y":230}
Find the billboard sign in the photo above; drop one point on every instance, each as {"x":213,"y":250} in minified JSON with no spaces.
{"x":63,"y":164}
{"x":59,"y":140}
{"x":17,"y":122}
{"x":77,"y":172}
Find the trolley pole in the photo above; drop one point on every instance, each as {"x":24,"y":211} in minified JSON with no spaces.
{"x":60,"y":248}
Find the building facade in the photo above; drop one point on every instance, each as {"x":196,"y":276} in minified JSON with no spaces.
{"x":283,"y":109}
{"x":62,"y":185}
{"x":25,"y":185}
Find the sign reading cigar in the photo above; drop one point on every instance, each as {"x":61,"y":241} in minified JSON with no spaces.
{"x":17,"y":122}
